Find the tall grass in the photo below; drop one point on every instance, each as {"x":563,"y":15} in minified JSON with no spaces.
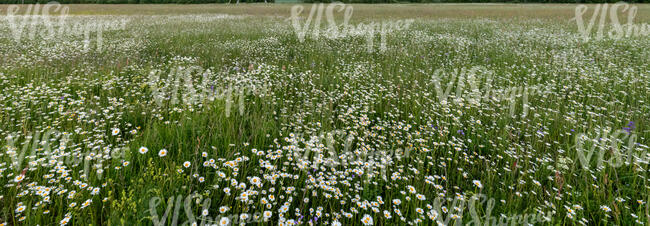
{"x":303,"y":92}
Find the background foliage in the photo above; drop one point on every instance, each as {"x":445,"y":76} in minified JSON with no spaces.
{"x":307,"y":1}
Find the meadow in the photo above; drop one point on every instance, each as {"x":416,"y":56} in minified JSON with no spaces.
{"x":447,"y":114}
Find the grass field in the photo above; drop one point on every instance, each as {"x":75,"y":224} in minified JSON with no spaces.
{"x":210,"y":114}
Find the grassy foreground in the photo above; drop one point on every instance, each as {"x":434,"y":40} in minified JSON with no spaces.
{"x":221,"y":114}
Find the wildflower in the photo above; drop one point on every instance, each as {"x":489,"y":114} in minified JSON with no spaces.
{"x":71,"y":194}
{"x":64,"y":221}
{"x":162,"y":152}
{"x":630,"y":126}
{"x":411,"y":189}
{"x":477,"y":183}
{"x":387,"y":214}
{"x":95,"y":191}
{"x":255,"y":181}
{"x":224,"y":221}
{"x":267,"y":214}
{"x":19,"y":178}
{"x":20,"y":209}
{"x":86,"y":203}
{"x":115,"y":131}
{"x":605,"y":208}
{"x":143,"y":150}
{"x":187,"y":164}
{"x":367,"y":220}
{"x":433,"y":214}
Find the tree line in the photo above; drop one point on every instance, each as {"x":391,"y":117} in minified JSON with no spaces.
{"x":305,"y":1}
